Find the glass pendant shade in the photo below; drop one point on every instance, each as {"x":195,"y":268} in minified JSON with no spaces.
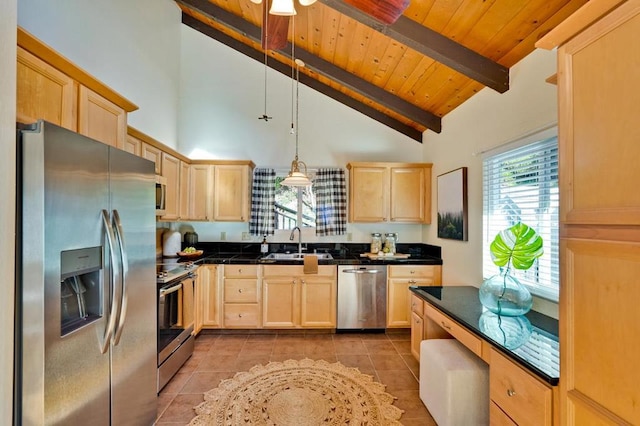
{"x":295,"y":176}
{"x":282,"y":8}
{"x":256,"y":1}
{"x":307,"y":2}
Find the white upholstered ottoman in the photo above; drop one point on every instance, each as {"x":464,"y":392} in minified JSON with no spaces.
{"x":454,"y":383}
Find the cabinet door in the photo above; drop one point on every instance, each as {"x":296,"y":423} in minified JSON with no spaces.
{"x":184,"y":212}
{"x":398,"y":303}
{"x":133,"y":145}
{"x":171,"y":171}
{"x":152,"y":153}
{"x":368,"y":194}
{"x":231,"y":193}
{"x":417,"y":334}
{"x":410,"y":188}
{"x":201,"y":181}
{"x":317,"y":301}
{"x":211,"y":299}
{"x":101,"y":119}
{"x":280,"y":306}
{"x":43,"y":92}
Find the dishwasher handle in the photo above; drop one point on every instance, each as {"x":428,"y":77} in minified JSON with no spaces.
{"x":362,"y":271}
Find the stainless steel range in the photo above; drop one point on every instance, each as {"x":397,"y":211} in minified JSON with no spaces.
{"x":175,"y":328}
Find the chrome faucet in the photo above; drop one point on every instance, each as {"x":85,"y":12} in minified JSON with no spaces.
{"x":293,"y":231}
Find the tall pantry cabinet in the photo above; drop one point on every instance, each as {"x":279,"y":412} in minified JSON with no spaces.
{"x":599,"y":147}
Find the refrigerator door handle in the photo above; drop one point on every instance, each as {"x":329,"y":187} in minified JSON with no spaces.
{"x":122,"y":314}
{"x":113,"y":304}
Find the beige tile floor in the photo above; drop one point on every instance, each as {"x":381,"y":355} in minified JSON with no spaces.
{"x":387,"y":357}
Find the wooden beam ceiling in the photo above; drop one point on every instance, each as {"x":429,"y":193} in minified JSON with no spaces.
{"x":305,"y":79}
{"x":433,"y":45}
{"x":312,"y":62}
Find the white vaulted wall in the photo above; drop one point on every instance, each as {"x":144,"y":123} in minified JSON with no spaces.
{"x":131,"y":46}
{"x":486,"y":121}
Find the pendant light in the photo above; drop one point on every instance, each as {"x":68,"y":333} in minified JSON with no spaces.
{"x":265,"y":116}
{"x":296,"y":177}
{"x":285,"y":7}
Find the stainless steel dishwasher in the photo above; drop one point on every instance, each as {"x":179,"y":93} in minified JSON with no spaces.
{"x":362,"y":297}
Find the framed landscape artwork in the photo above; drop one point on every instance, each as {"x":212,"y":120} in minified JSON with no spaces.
{"x":452,"y":205}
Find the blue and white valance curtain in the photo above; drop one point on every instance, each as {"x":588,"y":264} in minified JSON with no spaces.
{"x":263,"y":200}
{"x":331,"y":202}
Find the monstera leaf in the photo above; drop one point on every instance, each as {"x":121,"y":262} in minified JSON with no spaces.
{"x":519,"y":245}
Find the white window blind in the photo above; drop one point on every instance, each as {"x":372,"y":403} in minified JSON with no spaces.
{"x":521,"y":185}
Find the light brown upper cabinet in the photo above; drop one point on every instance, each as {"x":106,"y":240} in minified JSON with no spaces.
{"x":200,"y":191}
{"x":44,"y":92}
{"x":231,"y":192}
{"x":390,"y":192}
{"x":171,"y":172}
{"x":51,"y":88}
{"x":133,"y":146}
{"x":101,"y":119}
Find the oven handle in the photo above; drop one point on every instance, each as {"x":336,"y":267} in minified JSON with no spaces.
{"x":172,"y":289}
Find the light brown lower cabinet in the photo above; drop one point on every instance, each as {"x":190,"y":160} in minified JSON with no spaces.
{"x":519,"y":395}
{"x":292,"y":299}
{"x":241,"y":296}
{"x":399,"y":279}
{"x":208,"y":300}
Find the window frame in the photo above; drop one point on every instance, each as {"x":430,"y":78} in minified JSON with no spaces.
{"x":542,"y":279}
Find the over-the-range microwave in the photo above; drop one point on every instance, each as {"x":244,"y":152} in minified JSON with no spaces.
{"x":161,"y":195}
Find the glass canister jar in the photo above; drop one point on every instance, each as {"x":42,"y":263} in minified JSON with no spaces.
{"x":376,"y":242}
{"x":390,"y":240}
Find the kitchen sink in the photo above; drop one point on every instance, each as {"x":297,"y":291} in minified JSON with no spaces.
{"x":297,"y":256}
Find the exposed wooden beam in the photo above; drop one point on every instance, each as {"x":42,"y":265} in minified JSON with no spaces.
{"x":433,"y":45}
{"x":325,"y":68}
{"x":304,"y":79}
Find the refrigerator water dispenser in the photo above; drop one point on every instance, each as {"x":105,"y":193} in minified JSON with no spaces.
{"x":80,"y":288}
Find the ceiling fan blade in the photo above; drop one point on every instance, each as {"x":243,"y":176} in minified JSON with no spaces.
{"x":275,"y":29}
{"x":385,"y":11}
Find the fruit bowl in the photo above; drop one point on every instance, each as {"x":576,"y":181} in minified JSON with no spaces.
{"x":190,"y":254}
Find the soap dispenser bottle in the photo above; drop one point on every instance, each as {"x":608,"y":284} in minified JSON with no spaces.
{"x":264,"y":247}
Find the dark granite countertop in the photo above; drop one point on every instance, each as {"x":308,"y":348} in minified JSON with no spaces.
{"x":342,"y":253}
{"x":537,"y":351}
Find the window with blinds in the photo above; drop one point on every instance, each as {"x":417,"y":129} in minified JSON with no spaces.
{"x":520,"y":184}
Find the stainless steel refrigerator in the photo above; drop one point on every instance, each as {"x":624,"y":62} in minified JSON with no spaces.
{"x":86,"y":277}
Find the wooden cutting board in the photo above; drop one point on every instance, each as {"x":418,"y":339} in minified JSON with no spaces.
{"x":375,"y":256}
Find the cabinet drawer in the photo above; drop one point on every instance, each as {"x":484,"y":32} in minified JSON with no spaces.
{"x":416,"y":305}
{"x":240,"y":291}
{"x":521,"y":396}
{"x":497,"y":417}
{"x":430,"y":272}
{"x":241,"y":315}
{"x":241,"y":271}
{"x":465,"y":337}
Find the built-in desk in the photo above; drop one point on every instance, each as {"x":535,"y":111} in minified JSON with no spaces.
{"x":522,"y":352}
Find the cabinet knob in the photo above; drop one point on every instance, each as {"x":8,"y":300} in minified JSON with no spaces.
{"x":302,"y":282}
{"x":239,"y":290}
{"x":511,"y":392}
{"x":239,"y":270}
{"x":444,"y":325}
{"x":239,"y":315}
{"x":412,"y":272}
{"x":412,"y":281}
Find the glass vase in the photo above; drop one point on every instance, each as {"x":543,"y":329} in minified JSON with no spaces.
{"x":503,"y":294}
{"x":510,"y":332}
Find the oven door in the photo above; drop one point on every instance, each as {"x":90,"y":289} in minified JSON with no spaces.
{"x":169,"y":319}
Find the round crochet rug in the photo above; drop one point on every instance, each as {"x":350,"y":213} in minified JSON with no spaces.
{"x":300,"y":393}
